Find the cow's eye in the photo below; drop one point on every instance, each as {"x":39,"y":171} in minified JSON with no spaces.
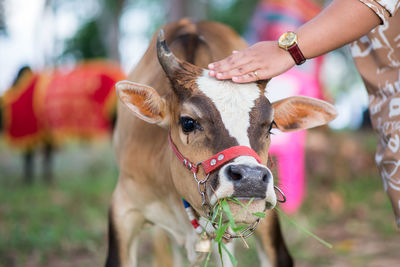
{"x":188,"y":124}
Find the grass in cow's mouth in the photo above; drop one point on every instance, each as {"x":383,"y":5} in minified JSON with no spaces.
{"x":222,"y":218}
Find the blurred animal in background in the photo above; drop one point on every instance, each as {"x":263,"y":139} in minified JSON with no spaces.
{"x":43,"y":110}
{"x":270,"y":20}
{"x":181,"y":134}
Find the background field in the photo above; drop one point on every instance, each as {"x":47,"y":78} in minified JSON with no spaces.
{"x":65,"y":224}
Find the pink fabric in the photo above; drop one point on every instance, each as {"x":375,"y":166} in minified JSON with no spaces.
{"x":270,"y":20}
{"x":288,"y":148}
{"x":290,"y":167}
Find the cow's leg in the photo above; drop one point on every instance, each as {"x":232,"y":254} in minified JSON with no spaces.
{"x":176,"y":254}
{"x":161,"y":243}
{"x":122,"y":239}
{"x":125,"y":223}
{"x":28,"y":166}
{"x":271,"y":240}
{"x":47,"y":163}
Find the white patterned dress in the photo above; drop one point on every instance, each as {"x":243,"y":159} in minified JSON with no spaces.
{"x":377,"y":57}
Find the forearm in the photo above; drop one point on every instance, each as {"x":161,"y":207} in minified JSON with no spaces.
{"x":342,"y":22}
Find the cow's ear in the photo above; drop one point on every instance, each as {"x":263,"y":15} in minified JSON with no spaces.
{"x":300,"y":112}
{"x":143,"y":101}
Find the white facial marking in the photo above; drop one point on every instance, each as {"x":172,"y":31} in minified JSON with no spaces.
{"x":225,"y":188}
{"x":233,"y":101}
{"x":247,"y":160}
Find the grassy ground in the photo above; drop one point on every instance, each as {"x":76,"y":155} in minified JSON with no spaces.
{"x":59,"y":225}
{"x":65,"y":224}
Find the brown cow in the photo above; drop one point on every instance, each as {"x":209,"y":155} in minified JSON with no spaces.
{"x":184,"y":116}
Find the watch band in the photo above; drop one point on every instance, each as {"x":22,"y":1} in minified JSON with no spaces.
{"x":296,"y":54}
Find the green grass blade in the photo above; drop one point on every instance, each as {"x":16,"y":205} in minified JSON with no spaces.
{"x":304,"y":229}
{"x":220,"y":253}
{"x":245,"y":207}
{"x":231,"y":257}
{"x":220,"y":232}
{"x":259,"y":214}
{"x":237,"y":201}
{"x":228,"y":213}
{"x":239,"y":228}
{"x":208,"y":258}
{"x":215,"y":214}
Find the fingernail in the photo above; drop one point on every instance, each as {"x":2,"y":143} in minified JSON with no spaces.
{"x":219,"y":75}
{"x":211,"y":73}
{"x":211,"y":66}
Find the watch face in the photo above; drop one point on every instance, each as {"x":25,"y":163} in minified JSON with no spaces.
{"x":287,"y":39}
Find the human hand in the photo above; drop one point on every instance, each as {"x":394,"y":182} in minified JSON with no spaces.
{"x":266,"y":58}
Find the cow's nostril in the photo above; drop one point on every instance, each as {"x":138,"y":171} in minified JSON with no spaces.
{"x":265,"y":178}
{"x":234,"y":173}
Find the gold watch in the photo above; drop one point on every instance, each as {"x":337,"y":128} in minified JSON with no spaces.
{"x":288,"y":41}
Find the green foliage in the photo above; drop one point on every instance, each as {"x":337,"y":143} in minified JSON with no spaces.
{"x":86,"y":44}
{"x":113,"y":5}
{"x":3,"y":26}
{"x":90,"y":41}
{"x":235,"y":13}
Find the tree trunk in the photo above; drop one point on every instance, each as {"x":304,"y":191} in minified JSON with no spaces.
{"x":2,"y":18}
{"x":109,"y":27}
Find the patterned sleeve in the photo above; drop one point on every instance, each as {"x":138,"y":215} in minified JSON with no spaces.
{"x":383,"y":8}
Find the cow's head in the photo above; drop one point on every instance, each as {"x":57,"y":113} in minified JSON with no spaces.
{"x":206,"y":116}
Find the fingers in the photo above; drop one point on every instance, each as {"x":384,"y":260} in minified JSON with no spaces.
{"x":244,"y":77}
{"x":234,"y":61}
{"x":242,"y":70}
{"x":240,"y":66}
{"x":250,"y":77}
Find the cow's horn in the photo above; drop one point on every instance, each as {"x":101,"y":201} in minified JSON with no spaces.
{"x":169,"y":62}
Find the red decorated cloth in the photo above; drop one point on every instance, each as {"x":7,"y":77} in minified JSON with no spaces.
{"x":63,"y":103}
{"x":21,"y":125}
{"x":79,"y":103}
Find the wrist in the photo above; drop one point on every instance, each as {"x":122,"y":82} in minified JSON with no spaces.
{"x":283,"y":61}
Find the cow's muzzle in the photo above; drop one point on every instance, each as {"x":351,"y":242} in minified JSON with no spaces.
{"x":248,"y":181}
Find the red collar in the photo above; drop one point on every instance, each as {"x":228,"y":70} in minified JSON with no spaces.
{"x":215,"y":161}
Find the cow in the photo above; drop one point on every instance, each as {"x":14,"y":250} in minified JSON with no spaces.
{"x":181,"y":134}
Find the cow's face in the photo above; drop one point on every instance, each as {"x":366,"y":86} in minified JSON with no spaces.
{"x":219,"y":115}
{"x":206,"y":116}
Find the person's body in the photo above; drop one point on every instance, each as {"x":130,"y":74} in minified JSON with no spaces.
{"x":373,"y":29}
